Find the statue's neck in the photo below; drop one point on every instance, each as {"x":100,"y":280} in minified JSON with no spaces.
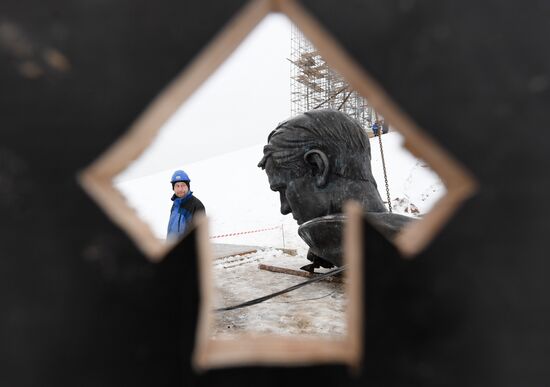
{"x":364,"y":192}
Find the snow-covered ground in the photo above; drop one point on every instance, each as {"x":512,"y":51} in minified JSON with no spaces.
{"x":317,"y":309}
{"x":239,"y":202}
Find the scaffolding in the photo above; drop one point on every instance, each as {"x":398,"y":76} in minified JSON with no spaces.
{"x":314,"y":85}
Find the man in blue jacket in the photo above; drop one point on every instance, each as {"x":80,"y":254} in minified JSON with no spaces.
{"x":185,"y":205}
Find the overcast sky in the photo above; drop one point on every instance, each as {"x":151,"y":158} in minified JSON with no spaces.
{"x":238,"y":106}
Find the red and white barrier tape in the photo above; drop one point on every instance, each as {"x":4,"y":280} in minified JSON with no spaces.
{"x":245,"y":232}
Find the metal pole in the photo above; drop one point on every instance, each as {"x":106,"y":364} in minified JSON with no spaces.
{"x":283,"y":230}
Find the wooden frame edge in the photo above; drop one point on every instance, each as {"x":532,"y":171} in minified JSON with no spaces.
{"x":249,"y":350}
{"x":353,"y":252}
{"x":417,"y":235}
{"x":260,"y":349}
{"x":141,"y":133}
{"x":459,"y":182}
{"x":114,"y":205}
{"x":97,"y":178}
{"x":204,"y":320}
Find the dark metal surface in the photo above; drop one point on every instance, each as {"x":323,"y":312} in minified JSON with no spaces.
{"x":317,"y":162}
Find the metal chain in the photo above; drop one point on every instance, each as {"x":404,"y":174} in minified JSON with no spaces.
{"x":384,"y":167}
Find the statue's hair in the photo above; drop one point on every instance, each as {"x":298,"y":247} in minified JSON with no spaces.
{"x":341,"y":137}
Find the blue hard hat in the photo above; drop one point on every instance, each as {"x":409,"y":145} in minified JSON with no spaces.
{"x":179,"y":175}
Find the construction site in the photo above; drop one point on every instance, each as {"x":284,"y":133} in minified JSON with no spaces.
{"x":314,"y":84}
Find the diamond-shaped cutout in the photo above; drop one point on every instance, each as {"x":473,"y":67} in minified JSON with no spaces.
{"x":100,"y":181}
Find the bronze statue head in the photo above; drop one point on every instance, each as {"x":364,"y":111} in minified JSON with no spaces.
{"x":317,"y":161}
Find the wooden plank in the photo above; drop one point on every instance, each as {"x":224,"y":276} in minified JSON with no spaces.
{"x":300,"y":273}
{"x":223,"y":250}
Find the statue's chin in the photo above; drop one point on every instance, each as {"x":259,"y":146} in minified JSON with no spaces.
{"x":324,"y":237}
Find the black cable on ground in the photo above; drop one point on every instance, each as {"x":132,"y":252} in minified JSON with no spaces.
{"x":304,"y":299}
{"x":265,"y":298}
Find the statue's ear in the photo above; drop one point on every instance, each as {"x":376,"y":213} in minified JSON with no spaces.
{"x":319,"y":163}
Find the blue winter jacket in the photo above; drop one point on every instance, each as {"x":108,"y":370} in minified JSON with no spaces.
{"x":182,"y":213}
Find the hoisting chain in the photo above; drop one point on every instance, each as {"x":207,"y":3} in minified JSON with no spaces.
{"x":384,"y":168}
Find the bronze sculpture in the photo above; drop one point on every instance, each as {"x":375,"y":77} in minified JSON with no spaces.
{"x":317,"y":161}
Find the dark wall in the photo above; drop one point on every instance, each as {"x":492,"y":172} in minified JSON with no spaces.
{"x":80,"y":305}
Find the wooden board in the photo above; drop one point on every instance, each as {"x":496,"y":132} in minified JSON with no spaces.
{"x":300,"y":273}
